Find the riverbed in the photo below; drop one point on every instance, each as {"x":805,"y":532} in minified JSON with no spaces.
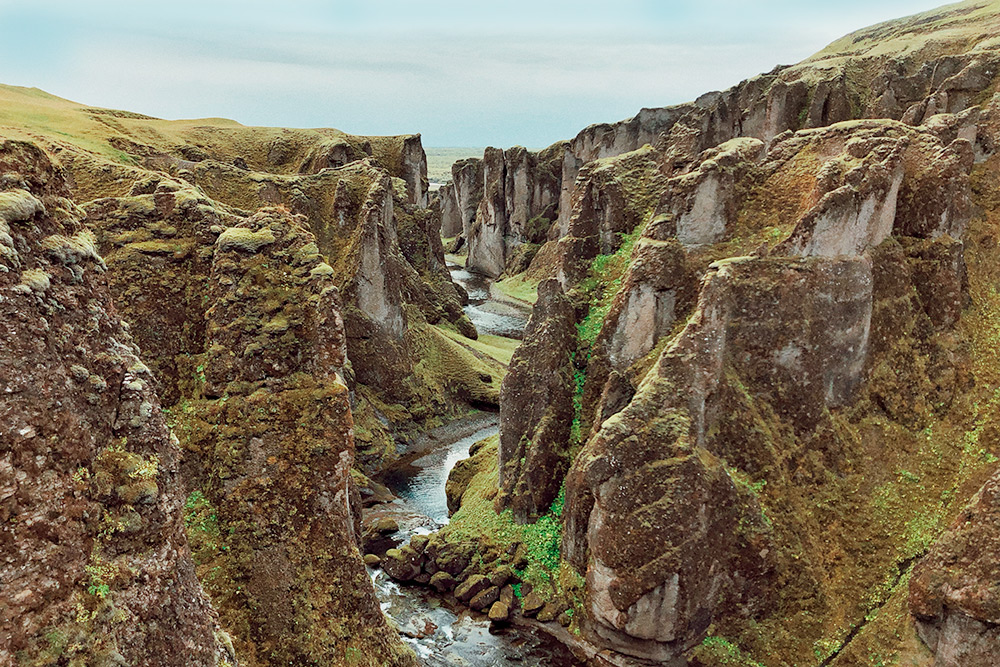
{"x":441,"y":632}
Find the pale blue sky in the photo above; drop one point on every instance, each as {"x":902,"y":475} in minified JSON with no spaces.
{"x":463,"y":73}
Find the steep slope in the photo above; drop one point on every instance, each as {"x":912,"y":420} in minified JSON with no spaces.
{"x":941,"y":61}
{"x":95,"y":563}
{"x":364,"y":199}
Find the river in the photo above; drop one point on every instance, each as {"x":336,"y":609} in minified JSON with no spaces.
{"x":439,"y":631}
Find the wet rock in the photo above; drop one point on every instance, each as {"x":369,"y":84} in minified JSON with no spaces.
{"x":454,"y":559}
{"x":418,"y":543}
{"x":386,"y":526}
{"x":403,"y":564}
{"x":508,"y":597}
{"x":536,"y":408}
{"x":531,"y":604}
{"x":442,"y":582}
{"x":372,"y":560}
{"x":549,"y":612}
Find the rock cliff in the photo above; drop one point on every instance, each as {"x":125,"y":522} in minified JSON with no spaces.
{"x":96,"y":567}
{"x":785,"y":366}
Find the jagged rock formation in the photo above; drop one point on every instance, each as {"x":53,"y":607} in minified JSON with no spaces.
{"x":273,"y":455}
{"x":520,"y":194}
{"x":383,"y":254}
{"x":953,"y":591}
{"x":909,"y":70}
{"x":536,"y":408}
{"x":95,"y":567}
{"x":793,"y":333}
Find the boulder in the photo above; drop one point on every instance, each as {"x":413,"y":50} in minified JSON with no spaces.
{"x":484,"y":599}
{"x":472,"y":587}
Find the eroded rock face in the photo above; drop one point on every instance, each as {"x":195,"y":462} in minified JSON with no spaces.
{"x":519,"y":202}
{"x":612,"y":198}
{"x":414,"y":170}
{"x":95,"y":565}
{"x":536,"y":408}
{"x":273,"y":455}
{"x":798,"y":328}
{"x":703,"y":203}
{"x":451,"y":214}
{"x":467,"y":178}
{"x":953,"y":593}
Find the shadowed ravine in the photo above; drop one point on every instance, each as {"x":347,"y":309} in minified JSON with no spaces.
{"x":439,"y":632}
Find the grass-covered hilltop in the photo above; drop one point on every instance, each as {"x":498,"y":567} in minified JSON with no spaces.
{"x":754,"y":420}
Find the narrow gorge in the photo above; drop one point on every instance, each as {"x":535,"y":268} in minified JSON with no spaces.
{"x":716,"y":385}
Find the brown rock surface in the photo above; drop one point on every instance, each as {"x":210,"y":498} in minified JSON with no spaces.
{"x":536,"y":408}
{"x":953,"y":590}
{"x":94,"y":561}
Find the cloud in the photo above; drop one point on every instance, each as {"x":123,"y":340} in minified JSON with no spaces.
{"x":462,"y":73}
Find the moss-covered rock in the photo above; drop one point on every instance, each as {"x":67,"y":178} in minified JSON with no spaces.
{"x":536,"y":408}
{"x":97,"y":569}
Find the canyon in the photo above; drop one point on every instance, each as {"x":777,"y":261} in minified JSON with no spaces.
{"x":713,"y":385}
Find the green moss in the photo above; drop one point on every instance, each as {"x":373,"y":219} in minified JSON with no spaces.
{"x":244,"y":240}
{"x":477,"y":522}
{"x":722,"y":652}
{"x":519,"y":287}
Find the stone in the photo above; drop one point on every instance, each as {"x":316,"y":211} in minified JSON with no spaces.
{"x":549,"y":612}
{"x":484,"y":599}
{"x":113,"y":582}
{"x":499,"y":612}
{"x":403,"y":564}
{"x":442,"y":582}
{"x":532,"y":604}
{"x":471,"y":587}
{"x":953,"y":594}
{"x":372,"y":560}
{"x":386,"y":526}
{"x":536,"y":408}
{"x":502,"y":575}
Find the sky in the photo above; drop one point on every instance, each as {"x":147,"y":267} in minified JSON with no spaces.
{"x":462,"y":73}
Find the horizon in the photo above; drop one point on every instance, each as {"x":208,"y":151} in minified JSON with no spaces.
{"x":533,"y":76}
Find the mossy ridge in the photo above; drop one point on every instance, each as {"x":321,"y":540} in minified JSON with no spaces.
{"x":244,"y":514}
{"x":126,"y":138}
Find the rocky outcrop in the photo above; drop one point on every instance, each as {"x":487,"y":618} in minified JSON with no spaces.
{"x":382,"y":252}
{"x":536,"y":408}
{"x":414,"y":170}
{"x":953,"y":593}
{"x":467,"y":180}
{"x":797,"y":328}
{"x":702,"y":204}
{"x":519,"y":202}
{"x":612,"y":198}
{"x":273,"y":455}
{"x":95,"y":566}
{"x":451,"y":214}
